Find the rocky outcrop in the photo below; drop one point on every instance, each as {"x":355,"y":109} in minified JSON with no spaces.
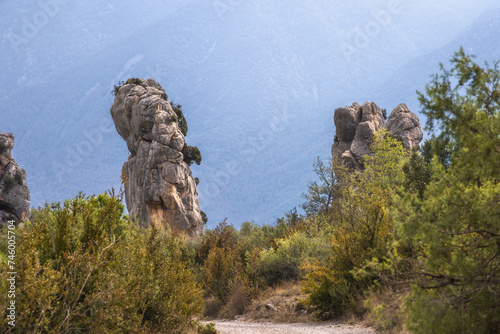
{"x":356,"y":125}
{"x":14,"y":192}
{"x":159,"y":185}
{"x":404,"y":124}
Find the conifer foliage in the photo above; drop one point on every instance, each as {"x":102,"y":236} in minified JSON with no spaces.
{"x":454,"y":227}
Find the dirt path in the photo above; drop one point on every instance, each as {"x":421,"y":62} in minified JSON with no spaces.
{"x":239,"y":327}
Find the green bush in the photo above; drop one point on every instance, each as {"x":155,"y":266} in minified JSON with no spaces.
{"x":191,"y":154}
{"x":116,"y":88}
{"x":177,"y":108}
{"x":223,"y":235}
{"x":3,"y":147}
{"x":205,"y":329}
{"x":319,"y":197}
{"x":8,"y":183}
{"x":225,"y":272}
{"x":83,"y":268}
{"x":134,"y":81}
{"x":221,"y":266}
{"x":204,"y":217}
{"x":385,"y":310}
{"x":362,"y":229}
{"x":283,"y":262}
{"x":252,"y":236}
{"x":239,"y":298}
{"x":19,"y":178}
{"x":453,"y":225}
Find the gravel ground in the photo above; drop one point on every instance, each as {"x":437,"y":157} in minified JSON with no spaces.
{"x":237,"y":327}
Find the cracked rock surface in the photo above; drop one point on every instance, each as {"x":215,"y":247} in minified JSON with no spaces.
{"x":159,"y":185}
{"x":355,"y":126}
{"x":14,"y":192}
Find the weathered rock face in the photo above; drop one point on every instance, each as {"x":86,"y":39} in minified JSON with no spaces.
{"x":159,"y":185}
{"x":356,"y":125}
{"x":14,"y":192}
{"x":405,"y":125}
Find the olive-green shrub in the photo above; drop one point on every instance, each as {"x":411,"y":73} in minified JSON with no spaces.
{"x":82,"y":267}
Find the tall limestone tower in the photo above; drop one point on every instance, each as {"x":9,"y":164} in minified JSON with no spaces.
{"x":159,"y":185}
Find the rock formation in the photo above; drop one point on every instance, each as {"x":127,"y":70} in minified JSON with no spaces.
{"x":405,"y":125}
{"x":355,"y":126}
{"x":14,"y":192}
{"x":159,"y":185}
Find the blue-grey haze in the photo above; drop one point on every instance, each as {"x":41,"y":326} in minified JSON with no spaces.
{"x":258,"y":81}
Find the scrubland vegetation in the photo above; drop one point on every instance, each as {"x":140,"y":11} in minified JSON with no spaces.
{"x":412,"y":243}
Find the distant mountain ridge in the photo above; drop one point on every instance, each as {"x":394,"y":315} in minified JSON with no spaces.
{"x":480,"y":38}
{"x":259,"y":100}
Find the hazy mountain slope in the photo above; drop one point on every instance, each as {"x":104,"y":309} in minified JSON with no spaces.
{"x":258,"y":82}
{"x":480,"y":38}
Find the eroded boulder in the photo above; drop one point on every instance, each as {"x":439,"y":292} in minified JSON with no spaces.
{"x":404,"y":124}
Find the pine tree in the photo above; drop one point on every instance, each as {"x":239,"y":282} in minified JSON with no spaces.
{"x":453,"y":225}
